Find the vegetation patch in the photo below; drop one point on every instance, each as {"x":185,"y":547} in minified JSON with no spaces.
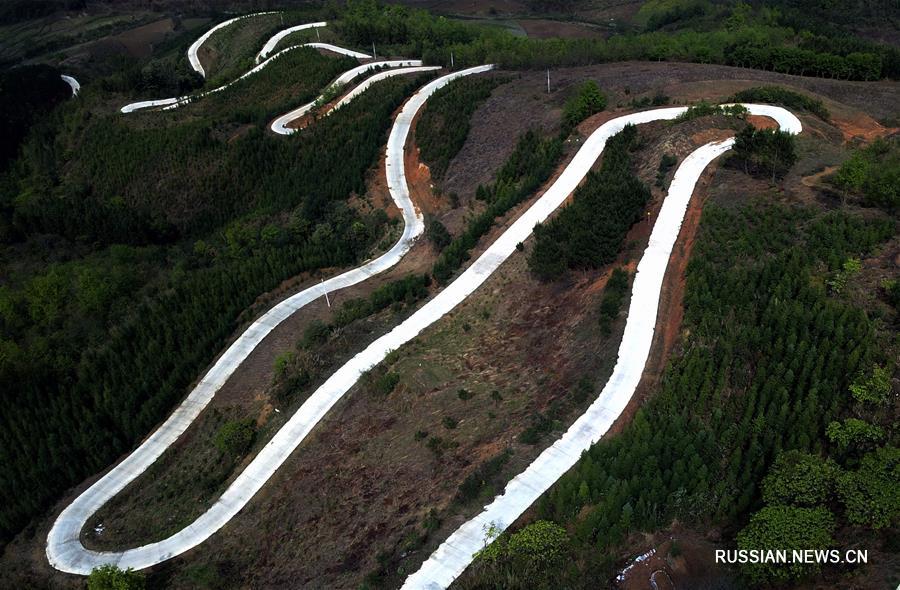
{"x":587,"y":101}
{"x":764,"y":370}
{"x":614,"y":294}
{"x":529,"y":165}
{"x":872,"y":175}
{"x":589,"y":231}
{"x":783,"y":96}
{"x":706,"y":109}
{"x":445,"y":122}
{"x":764,"y":151}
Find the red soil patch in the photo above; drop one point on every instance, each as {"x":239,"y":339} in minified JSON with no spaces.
{"x":708,"y":135}
{"x":861,"y":126}
{"x":762,"y":122}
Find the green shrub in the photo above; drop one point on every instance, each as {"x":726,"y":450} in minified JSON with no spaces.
{"x":385,"y":384}
{"x":765,"y":151}
{"x":478,"y":482}
{"x":782,"y":96}
{"x":109,"y":577}
{"x":586,"y":102}
{"x":873,"y":174}
{"x":235,"y":437}
{"x":785,"y":527}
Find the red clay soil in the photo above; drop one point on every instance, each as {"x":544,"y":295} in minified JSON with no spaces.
{"x":861,"y":126}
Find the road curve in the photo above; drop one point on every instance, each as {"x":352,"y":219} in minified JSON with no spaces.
{"x":273,"y":41}
{"x":280,"y":125}
{"x":458,"y":551}
{"x":64,"y":549}
{"x":72,"y":82}
{"x":341,"y":50}
{"x":178,"y":101}
{"x":195,"y":46}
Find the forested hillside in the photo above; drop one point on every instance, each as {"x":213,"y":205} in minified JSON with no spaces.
{"x":26,"y":94}
{"x":773,"y":361}
{"x":150,"y":271}
{"x":737,"y":34}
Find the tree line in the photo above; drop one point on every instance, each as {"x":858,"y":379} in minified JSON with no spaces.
{"x":743,"y":37}
{"x":782,"y":96}
{"x":589,"y":231}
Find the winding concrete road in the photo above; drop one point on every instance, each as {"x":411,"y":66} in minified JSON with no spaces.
{"x":177,"y":101}
{"x":458,"y":551}
{"x":342,"y":80}
{"x":274,"y":40}
{"x":398,"y":67}
{"x":64,"y":549}
{"x":194,"y":59}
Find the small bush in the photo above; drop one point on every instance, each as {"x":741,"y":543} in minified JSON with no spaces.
{"x":235,"y":437}
{"x":315,"y":333}
{"x":588,"y":101}
{"x":478,"y":483}
{"x":438,"y":235}
{"x":109,"y":577}
{"x":667,"y":162}
{"x":385,"y":384}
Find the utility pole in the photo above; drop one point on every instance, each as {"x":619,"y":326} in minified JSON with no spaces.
{"x":374,"y":55}
{"x":318,"y":38}
{"x":548,"y":80}
{"x":327,"y":300}
{"x":451,"y":60}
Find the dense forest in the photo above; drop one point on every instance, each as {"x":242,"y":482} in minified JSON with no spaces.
{"x":589,"y":231}
{"x":26,"y":94}
{"x":743,"y":36}
{"x":97,"y":345}
{"x":772,"y":373}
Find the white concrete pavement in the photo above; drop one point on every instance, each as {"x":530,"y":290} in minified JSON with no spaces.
{"x":397,"y":67}
{"x":178,"y":101}
{"x":194,"y":59}
{"x":457,"y":552}
{"x":64,"y":549}
{"x":73,"y":84}
{"x":273,"y":41}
